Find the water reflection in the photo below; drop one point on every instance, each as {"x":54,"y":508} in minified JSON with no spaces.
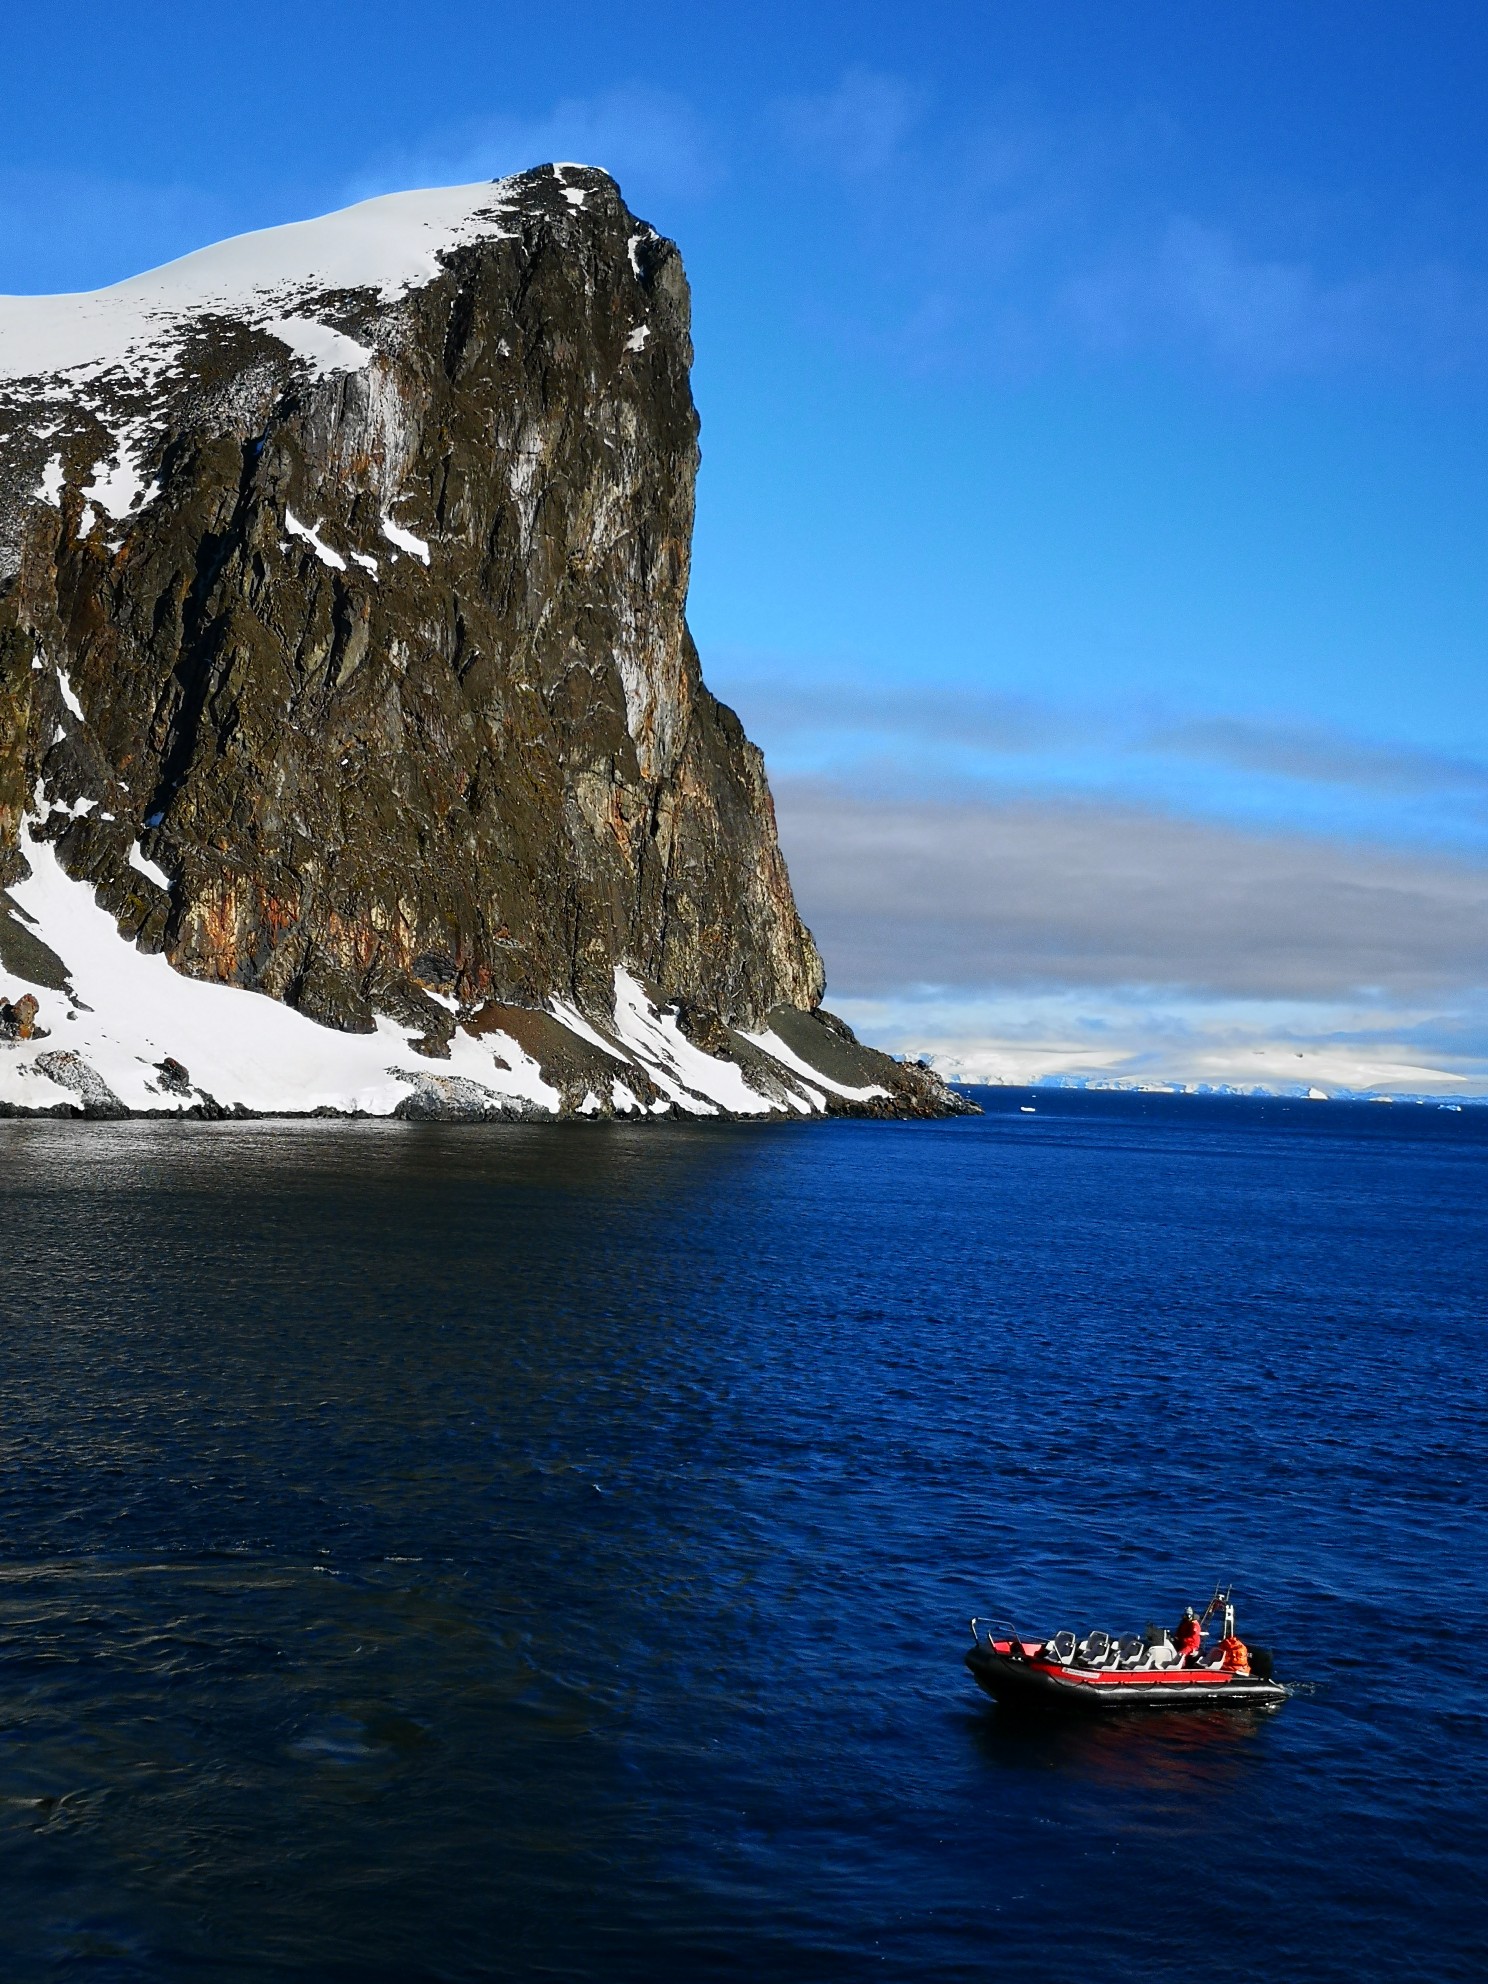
{"x":1183,"y":1753}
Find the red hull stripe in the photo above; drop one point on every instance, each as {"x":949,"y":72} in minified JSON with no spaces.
{"x":1133,"y":1677}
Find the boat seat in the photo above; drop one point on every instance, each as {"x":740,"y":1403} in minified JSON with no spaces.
{"x":1062,"y":1646}
{"x":1094,"y":1648}
{"x":1163,"y":1654}
{"x":1129,"y":1649}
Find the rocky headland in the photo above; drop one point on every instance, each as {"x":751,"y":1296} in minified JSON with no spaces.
{"x":354,"y":751}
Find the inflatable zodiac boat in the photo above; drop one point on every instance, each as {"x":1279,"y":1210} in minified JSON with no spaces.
{"x":1108,"y":1676}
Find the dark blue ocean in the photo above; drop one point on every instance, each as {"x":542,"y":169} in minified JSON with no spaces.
{"x":546,"y":1553}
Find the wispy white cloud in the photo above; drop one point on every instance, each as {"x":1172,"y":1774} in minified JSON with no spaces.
{"x":1316,"y":755}
{"x":1197,"y":286}
{"x":857,"y":129}
{"x":901,"y":739}
{"x":1022,"y":235}
{"x":652,"y":141}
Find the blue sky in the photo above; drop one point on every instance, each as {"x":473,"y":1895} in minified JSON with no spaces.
{"x":1093,"y":524}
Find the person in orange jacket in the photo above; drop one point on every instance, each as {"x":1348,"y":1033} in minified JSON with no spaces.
{"x":1234,"y":1654}
{"x":1189,"y":1637}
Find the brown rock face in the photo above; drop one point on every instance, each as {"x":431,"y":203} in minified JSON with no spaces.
{"x":389,"y":675}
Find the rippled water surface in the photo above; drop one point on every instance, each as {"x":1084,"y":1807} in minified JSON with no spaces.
{"x":546,"y":1552}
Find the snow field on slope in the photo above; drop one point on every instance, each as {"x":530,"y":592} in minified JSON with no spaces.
{"x":239,"y":1046}
{"x":133,"y":1011}
{"x":390,"y":245}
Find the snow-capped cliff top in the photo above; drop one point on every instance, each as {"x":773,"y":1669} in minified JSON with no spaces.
{"x":390,"y":245}
{"x":86,"y":379}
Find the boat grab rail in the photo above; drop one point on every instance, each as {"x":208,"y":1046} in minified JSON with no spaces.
{"x":997,"y":1629}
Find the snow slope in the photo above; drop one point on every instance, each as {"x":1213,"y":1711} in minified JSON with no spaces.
{"x":128,"y":1014}
{"x":389,"y":245}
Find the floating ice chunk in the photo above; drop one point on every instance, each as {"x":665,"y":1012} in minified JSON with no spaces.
{"x":143,"y":865}
{"x":367,"y":564}
{"x":405,"y":539}
{"x":68,"y":695}
{"x":49,"y":489}
{"x":312,"y":537}
{"x":637,"y":339}
{"x":325,"y":351}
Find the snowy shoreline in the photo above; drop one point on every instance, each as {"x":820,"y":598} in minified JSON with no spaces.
{"x":120,"y":1033}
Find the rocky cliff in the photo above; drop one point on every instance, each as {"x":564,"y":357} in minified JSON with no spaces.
{"x":344,"y":660}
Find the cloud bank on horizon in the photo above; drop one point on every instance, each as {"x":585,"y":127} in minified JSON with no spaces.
{"x":1029,"y":893}
{"x":1092,"y":519}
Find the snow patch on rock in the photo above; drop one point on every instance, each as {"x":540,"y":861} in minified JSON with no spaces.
{"x":312,"y":537}
{"x":151,"y":870}
{"x":69,"y":696}
{"x":405,"y":540}
{"x":771,"y":1044}
{"x":325,"y":351}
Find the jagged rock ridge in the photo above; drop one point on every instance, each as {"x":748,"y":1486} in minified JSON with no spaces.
{"x":344,"y":658}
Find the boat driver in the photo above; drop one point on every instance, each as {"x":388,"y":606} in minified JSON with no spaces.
{"x":1189,"y":1638}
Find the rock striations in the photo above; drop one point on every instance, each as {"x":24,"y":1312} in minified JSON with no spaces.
{"x":354,"y":753}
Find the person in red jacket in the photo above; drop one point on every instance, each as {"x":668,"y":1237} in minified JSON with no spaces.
{"x":1189,"y":1637}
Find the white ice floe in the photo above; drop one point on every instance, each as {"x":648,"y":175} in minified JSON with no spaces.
{"x":313,"y":538}
{"x":49,"y":489}
{"x":325,"y":351}
{"x":405,"y":540}
{"x":637,"y":339}
{"x":141,"y":863}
